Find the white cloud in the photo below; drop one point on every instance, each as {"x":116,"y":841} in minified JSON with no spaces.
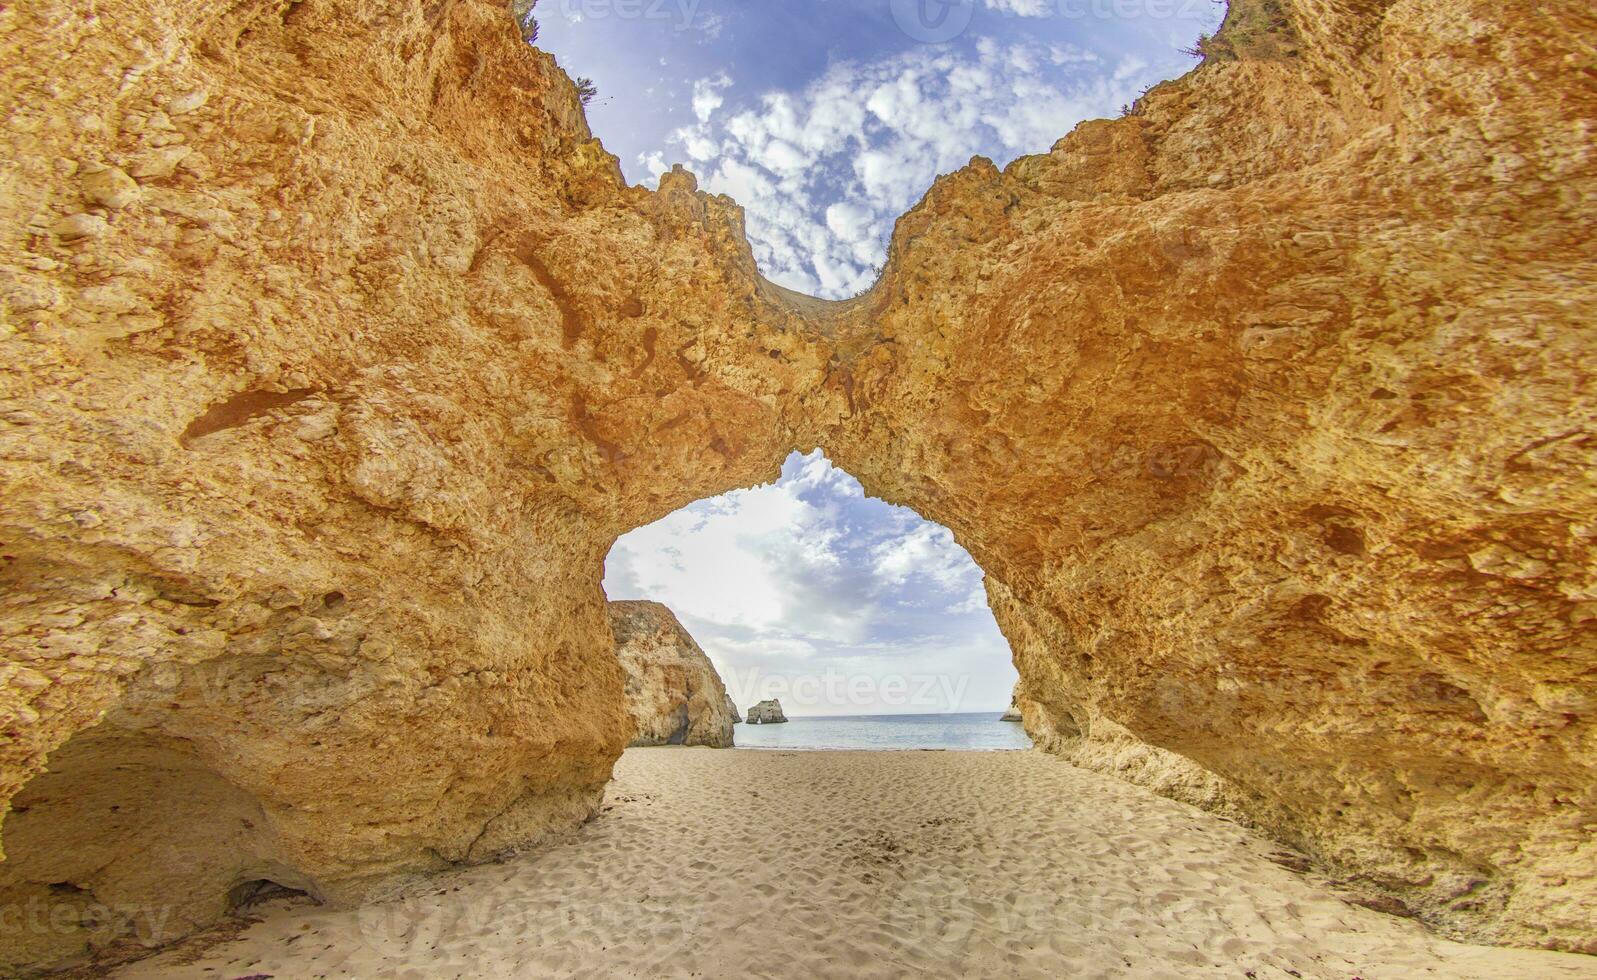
{"x":1022,"y":8}
{"x":823,"y":172}
{"x":698,"y":146}
{"x":735,"y":560}
{"x":927,"y":550}
{"x":654,"y":163}
{"x":783,"y":157}
{"x":741,"y":181}
{"x":706,"y":27}
{"x":849,"y":222}
{"x":1130,"y":67}
{"x":707,"y":95}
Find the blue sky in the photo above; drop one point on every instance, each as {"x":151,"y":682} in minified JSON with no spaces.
{"x":829,"y":118}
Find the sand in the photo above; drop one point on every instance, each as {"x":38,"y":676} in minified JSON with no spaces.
{"x":788,"y":864}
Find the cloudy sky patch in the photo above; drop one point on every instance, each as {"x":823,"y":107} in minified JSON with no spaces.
{"x":809,"y":578}
{"x":826,"y":121}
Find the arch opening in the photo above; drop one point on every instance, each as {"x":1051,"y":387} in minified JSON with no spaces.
{"x":129,"y":840}
{"x":807,"y":592}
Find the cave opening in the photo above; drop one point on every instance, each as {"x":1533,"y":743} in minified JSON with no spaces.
{"x":835,"y":605}
{"x":130,"y":839}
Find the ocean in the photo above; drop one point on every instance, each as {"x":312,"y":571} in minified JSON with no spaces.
{"x":903,"y":732}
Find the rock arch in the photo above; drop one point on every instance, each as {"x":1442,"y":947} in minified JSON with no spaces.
{"x":337,"y":353}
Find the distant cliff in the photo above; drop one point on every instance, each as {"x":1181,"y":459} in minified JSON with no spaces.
{"x":673,"y":692}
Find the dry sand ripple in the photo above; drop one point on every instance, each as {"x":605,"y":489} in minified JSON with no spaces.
{"x":785,"y":864}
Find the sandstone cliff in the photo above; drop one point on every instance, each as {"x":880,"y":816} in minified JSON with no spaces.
{"x":674,"y":695}
{"x":315,"y":439}
{"x":335,"y":354}
{"x":1267,"y":410}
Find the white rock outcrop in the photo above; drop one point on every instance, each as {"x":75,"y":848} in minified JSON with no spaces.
{"x":767,"y":713}
{"x":674,"y":695}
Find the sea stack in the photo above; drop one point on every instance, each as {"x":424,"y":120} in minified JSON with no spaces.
{"x":673,"y":693}
{"x":767,"y":713}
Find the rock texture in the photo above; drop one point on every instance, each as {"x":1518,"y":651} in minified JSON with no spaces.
{"x":732,"y":710}
{"x":335,"y":354}
{"x":767,"y":713}
{"x":674,"y":695}
{"x":312,"y":451}
{"x":1268,"y":411}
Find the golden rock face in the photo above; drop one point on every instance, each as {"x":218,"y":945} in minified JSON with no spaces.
{"x":336,"y":353}
{"x":674,"y":695}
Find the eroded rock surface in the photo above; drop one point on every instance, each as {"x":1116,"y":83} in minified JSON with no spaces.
{"x":335,"y":354}
{"x":313,"y":448}
{"x":1268,"y":411}
{"x":674,"y":695}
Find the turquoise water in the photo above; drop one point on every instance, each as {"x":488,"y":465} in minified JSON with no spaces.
{"x":945,"y":731}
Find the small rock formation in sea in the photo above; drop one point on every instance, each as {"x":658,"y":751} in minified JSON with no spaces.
{"x":767,"y":713}
{"x":673,"y":692}
{"x":732,"y":709}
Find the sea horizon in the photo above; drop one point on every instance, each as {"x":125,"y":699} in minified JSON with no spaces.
{"x":996,"y":712}
{"x":963,"y":730}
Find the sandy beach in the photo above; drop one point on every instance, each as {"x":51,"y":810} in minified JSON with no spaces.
{"x":785,"y":864}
